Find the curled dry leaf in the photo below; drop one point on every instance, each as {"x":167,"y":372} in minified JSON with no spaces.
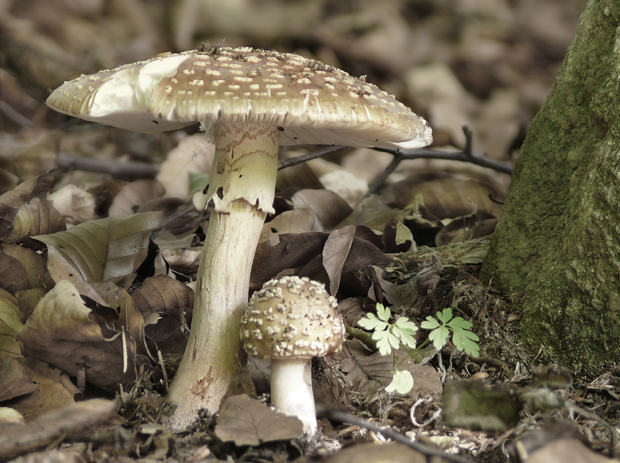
{"x":13,"y":276}
{"x":368,"y":373}
{"x":133,"y":195}
{"x":393,"y":452}
{"x":247,"y":421}
{"x":10,"y":324}
{"x":346,"y":185}
{"x":335,"y":254}
{"x":293,"y":221}
{"x":191,"y":155}
{"x":34,"y":158}
{"x":22,"y":269}
{"x":36,"y":217}
{"x":166,"y":306}
{"x":446,"y":195}
{"x":18,"y":439}
{"x":37,"y":388}
{"x":107,"y":250}
{"x":330,"y":208}
{"x":74,"y":204}
{"x":374,"y":213}
{"x":12,"y":201}
{"x":101,"y":343}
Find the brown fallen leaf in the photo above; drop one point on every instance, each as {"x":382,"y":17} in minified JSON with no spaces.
{"x":133,"y":195}
{"x":335,"y":254}
{"x":101,"y":342}
{"x":20,"y":438}
{"x":370,"y":372}
{"x":107,"y":250}
{"x":247,"y":421}
{"x":10,"y":324}
{"x":15,"y":380}
{"x":393,"y":452}
{"x":166,"y":306}
{"x":330,"y":208}
{"x":42,"y":388}
{"x":22,"y":268}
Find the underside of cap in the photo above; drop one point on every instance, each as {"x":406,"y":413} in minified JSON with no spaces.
{"x":310,"y":102}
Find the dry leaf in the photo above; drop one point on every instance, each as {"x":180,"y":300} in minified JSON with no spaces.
{"x":106,"y":250}
{"x":335,"y":254}
{"x":392,"y":452}
{"x":247,"y":421}
{"x":42,"y":388}
{"x":327,"y":205}
{"x":22,"y":268}
{"x":74,"y":204}
{"x":192,"y":155}
{"x":101,"y":342}
{"x":48,"y":428}
{"x":166,"y":306}
{"x":13,"y":276}
{"x":368,"y":373}
{"x":10,"y":324}
{"x":12,"y":201}
{"x":133,"y":195}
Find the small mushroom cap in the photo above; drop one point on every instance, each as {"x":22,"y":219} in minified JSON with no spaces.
{"x":292,"y":318}
{"x":310,"y":102}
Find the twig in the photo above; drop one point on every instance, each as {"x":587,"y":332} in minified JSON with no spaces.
{"x":129,"y":170}
{"x":342,"y":417}
{"x":462,"y":156}
{"x":307,"y":157}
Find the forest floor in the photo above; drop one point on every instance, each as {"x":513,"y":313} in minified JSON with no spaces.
{"x":415,"y":241}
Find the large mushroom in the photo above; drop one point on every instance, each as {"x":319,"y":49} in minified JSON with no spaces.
{"x":292,"y":320}
{"x":249,"y":102}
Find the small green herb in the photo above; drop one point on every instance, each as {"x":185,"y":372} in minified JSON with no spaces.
{"x":462,"y":336}
{"x":390,"y":336}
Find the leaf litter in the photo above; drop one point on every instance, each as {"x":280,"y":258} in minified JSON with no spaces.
{"x":108,"y":304}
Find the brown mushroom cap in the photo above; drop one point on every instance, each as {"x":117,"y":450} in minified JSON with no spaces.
{"x":292,"y":318}
{"x":310,"y":102}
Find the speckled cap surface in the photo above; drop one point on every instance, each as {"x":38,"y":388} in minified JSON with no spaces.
{"x":292,"y":318}
{"x":310,"y":102}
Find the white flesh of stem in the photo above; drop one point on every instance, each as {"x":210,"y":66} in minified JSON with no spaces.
{"x":241,"y":191}
{"x":291,"y":390}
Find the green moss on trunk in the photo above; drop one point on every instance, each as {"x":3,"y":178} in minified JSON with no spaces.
{"x":559,"y":236}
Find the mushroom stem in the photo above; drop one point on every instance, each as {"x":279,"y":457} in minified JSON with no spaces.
{"x":291,"y":390}
{"x":240,"y":194}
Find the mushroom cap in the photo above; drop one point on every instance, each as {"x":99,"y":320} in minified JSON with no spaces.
{"x":310,"y":102}
{"x":292,"y":318}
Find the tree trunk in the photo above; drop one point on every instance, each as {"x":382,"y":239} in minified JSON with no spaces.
{"x":558,"y":239}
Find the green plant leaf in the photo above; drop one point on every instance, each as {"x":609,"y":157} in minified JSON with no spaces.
{"x":383,"y":313}
{"x":466,"y":341}
{"x":430,"y":323}
{"x":406,"y":325}
{"x":372,"y":323}
{"x":401,"y":383}
{"x":439,"y":337}
{"x":459,"y":323}
{"x":445,"y":315}
{"x":385,"y":341}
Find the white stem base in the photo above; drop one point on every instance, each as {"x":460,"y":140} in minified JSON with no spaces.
{"x":244,"y":156}
{"x":291,"y":391}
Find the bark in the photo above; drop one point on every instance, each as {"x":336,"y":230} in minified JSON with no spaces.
{"x":558,"y":239}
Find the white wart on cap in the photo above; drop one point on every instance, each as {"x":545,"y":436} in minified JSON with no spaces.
{"x":310,"y":102}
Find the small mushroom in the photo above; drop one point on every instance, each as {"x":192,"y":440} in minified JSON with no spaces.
{"x":248,"y":102}
{"x":292,"y":320}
